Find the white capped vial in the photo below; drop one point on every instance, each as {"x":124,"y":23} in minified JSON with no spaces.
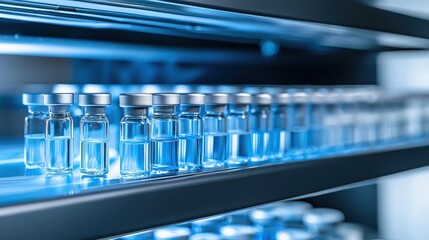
{"x":322,"y":220}
{"x":238,"y":125}
{"x":94,"y":133}
{"x":135,"y":155}
{"x":317,"y":131}
{"x":165,"y":134}
{"x":59,"y":133}
{"x":190,"y":132}
{"x":260,"y":127}
{"x":299,"y":112}
{"x":215,"y":132}
{"x":34,"y":130}
{"x":291,"y":213}
{"x":280,"y":132}
{"x":264,"y":222}
{"x":172,"y":233}
{"x":238,"y":232}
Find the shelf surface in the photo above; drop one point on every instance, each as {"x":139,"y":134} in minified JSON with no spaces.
{"x":108,"y":207}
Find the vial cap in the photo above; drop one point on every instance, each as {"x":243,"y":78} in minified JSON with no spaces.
{"x":282,"y":98}
{"x":192,"y":99}
{"x":217,"y":98}
{"x":95,"y":99}
{"x":300,"y":97}
{"x":294,"y":234}
{"x":238,"y":232}
{"x":166,"y":99}
{"x":135,"y":100}
{"x":319,"y":96}
{"x":205,"y":236}
{"x":322,"y":216}
{"x":292,"y":210}
{"x":261,"y":216}
{"x":240,"y":98}
{"x":262,"y":99}
{"x":58,"y":99}
{"x":32,"y":99}
{"x":176,"y":233}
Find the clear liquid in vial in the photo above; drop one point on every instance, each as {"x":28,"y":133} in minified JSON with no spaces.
{"x":59,"y":155}
{"x":260,"y":146}
{"x":239,"y":149}
{"x":135,"y":158}
{"x":215,"y":153}
{"x":280,"y":144}
{"x":299,"y":142}
{"x":165,"y":159}
{"x":95,"y":157}
{"x":190,"y":153}
{"x":34,"y":152}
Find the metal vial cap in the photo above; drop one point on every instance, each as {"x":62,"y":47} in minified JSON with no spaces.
{"x":135,"y":100}
{"x":238,"y":232}
{"x":95,"y":99}
{"x":240,"y":98}
{"x":262,"y":99}
{"x":58,"y":99}
{"x":172,"y":233}
{"x":166,"y":99}
{"x":33,"y":99}
{"x":321,"y":216}
{"x":217,"y":98}
{"x":282,"y":98}
{"x":300,"y":97}
{"x":192,"y":99}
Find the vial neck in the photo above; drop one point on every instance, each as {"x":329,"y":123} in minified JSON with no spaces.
{"x":37,"y":109}
{"x":259,"y":108}
{"x":135,"y":111}
{"x":163,"y":110}
{"x":59,"y":110}
{"x":215,"y":109}
{"x":238,"y":108}
{"x":190,"y":110}
{"x":99,"y":110}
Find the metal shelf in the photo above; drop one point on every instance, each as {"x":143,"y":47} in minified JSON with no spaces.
{"x":149,"y":204}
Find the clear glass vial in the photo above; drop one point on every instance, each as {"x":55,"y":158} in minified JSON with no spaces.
{"x":215,"y":133}
{"x":135,"y":155}
{"x":322,"y":221}
{"x":280,"y":132}
{"x":59,"y":133}
{"x":165,"y":134}
{"x":94,"y":133}
{"x":238,"y":125}
{"x":260,"y":127}
{"x":34,"y":130}
{"x":265,"y":223}
{"x":317,"y":131}
{"x":190,"y":132}
{"x":299,"y":112}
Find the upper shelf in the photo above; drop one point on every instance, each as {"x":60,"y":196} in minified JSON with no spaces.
{"x":241,"y":25}
{"x":147,"y":204}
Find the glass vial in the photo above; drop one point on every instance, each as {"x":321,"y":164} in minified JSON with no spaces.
{"x":135,"y":155}
{"x":190,"y":132}
{"x":280,"y":132}
{"x":34,"y":130}
{"x":165,"y":134}
{"x":59,"y":133}
{"x":260,"y":127}
{"x":215,"y":133}
{"x":94,"y":133}
{"x":321,"y":222}
{"x":239,"y":139}
{"x":299,"y":110}
{"x":317,"y":131}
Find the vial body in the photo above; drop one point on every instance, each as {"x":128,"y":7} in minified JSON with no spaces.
{"x":59,"y":140}
{"x":215,"y":137}
{"x":94,"y":135}
{"x":190,"y":139}
{"x":317,"y":132}
{"x":135,"y":149}
{"x":298,"y":130}
{"x":280,"y":133}
{"x":164,"y":141}
{"x":34,"y":130}
{"x":260,"y":127}
{"x":239,"y":138}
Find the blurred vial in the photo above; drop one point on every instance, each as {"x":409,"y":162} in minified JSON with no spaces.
{"x":172,"y":233}
{"x":238,"y":232}
{"x":333,"y":122}
{"x":291,"y":213}
{"x":135,"y":155}
{"x":239,"y":139}
{"x":94,"y":133}
{"x":165,"y":131}
{"x":424,"y":114}
{"x":413,"y":106}
{"x":393,"y":126}
{"x":190,"y":132}
{"x":299,"y":112}
{"x":349,"y":111}
{"x":208,"y":225}
{"x":215,"y":133}
{"x":294,"y":234}
{"x":264,"y":222}
{"x":317,"y":130}
{"x":322,"y":222}
{"x":240,"y":217}
{"x":34,"y":130}
{"x":206,"y":236}
{"x":350,"y":231}
{"x":59,"y":133}
{"x":280,"y":134}
{"x":369,"y":117}
{"x":260,"y":127}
